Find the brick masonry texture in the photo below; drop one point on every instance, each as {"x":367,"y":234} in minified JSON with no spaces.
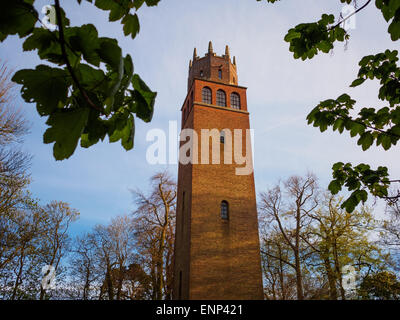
{"x":215,"y":258}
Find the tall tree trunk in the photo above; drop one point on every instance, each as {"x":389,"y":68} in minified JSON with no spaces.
{"x":299,"y":279}
{"x":121,"y":274}
{"x":160,"y":266}
{"x":87,"y":285}
{"x":168,"y":273}
{"x":281,"y":276}
{"x":338,"y":271}
{"x":153,"y":278}
{"x":331,"y":277}
{"x":109,"y":282}
{"x":19,"y":275}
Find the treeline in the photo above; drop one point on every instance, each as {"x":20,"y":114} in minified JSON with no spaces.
{"x":311,"y":248}
{"x":31,"y":236}
{"x":130,"y":258}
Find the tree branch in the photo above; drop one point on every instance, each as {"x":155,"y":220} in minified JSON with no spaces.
{"x":65,"y":56}
{"x":350,"y":15}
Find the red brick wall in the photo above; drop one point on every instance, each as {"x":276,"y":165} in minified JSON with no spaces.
{"x":218,"y":259}
{"x":210,"y":65}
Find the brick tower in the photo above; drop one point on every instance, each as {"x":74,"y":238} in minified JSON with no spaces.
{"x":217,"y":253}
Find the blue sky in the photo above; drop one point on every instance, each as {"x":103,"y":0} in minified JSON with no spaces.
{"x":281,"y":92}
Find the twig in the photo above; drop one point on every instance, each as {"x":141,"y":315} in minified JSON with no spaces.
{"x":350,"y":15}
{"x":65,"y":56}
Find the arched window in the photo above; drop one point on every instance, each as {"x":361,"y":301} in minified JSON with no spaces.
{"x":220,"y":73}
{"x":235,"y":101}
{"x":206,"y":95}
{"x":224,"y":210}
{"x":222,"y":137}
{"x":221,"y":98}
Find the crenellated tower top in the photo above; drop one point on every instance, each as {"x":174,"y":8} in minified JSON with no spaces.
{"x":213,"y":67}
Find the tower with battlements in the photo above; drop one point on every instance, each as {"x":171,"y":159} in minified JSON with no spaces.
{"x":217,"y":252}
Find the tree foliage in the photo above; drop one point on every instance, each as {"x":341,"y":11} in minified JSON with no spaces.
{"x":308,"y":241}
{"x":90,"y":91}
{"x":154,"y":221}
{"x":381,"y":285}
{"x":14,"y":163}
{"x":372,"y":125}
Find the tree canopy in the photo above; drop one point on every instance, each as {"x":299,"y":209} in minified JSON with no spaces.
{"x":90,"y":90}
{"x":371,"y":125}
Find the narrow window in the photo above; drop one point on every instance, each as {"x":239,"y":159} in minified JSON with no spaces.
{"x":222,"y":137}
{"x":221,"y":98}
{"x":220,"y":73}
{"x":201,"y":73}
{"x":224,"y":210}
{"x":235,"y":101}
{"x":206,"y":95}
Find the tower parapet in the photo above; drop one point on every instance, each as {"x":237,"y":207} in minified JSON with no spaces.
{"x":212,"y":67}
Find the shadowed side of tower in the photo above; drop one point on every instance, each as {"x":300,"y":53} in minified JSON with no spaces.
{"x":217,"y":253}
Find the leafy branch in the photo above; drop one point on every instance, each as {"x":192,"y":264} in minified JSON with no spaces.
{"x":64,"y":53}
{"x":93,"y":92}
{"x":352,"y":14}
{"x":371,"y":125}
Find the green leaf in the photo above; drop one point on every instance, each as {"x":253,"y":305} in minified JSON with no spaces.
{"x":95,"y":130}
{"x":91,"y":78}
{"x":351,"y":203}
{"x":366,"y":140}
{"x":357,"y":82}
{"x":86,"y":41}
{"x":138,"y":3}
{"x":45,"y":85}
{"x":110,"y":52}
{"x":131,"y":25}
{"x":151,"y":3}
{"x":17,"y":17}
{"x":66,"y":127}
{"x":292,"y":34}
{"x":394,"y":30}
{"x":144,"y":97}
{"x":335,"y":186}
{"x":124,"y":130}
{"x":116,"y":8}
{"x":386,"y":142}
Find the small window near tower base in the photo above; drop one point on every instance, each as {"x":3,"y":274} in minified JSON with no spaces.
{"x":224,"y":210}
{"x":220,"y":73}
